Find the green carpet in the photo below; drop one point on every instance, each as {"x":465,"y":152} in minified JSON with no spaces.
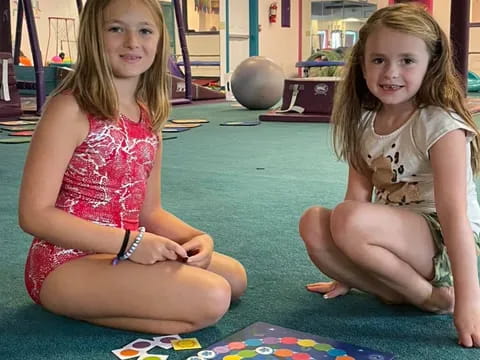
{"x":247,"y":186}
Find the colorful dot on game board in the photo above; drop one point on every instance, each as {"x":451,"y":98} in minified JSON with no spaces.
{"x":345,"y":357}
{"x":247,"y":353}
{"x":232,"y":357}
{"x":236,"y":345}
{"x":323,"y":347}
{"x":206,"y":354}
{"x":141,"y":344}
{"x":128,"y":352}
{"x":264,"y":357}
{"x":167,"y":339}
{"x":288,"y":340}
{"x":270,"y":340}
{"x":253,"y":342}
{"x":264,"y":350}
{"x":306,"y":342}
{"x":154,"y":357}
{"x":283,"y":353}
{"x":221,"y":349}
{"x":301,"y":356}
{"x":336,"y":352}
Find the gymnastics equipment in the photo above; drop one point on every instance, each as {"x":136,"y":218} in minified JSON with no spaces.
{"x":10,"y":105}
{"x":61,"y":26}
{"x":473,"y":82}
{"x":257,"y":83}
{"x":178,"y":83}
{"x":25,"y":9}
{"x":305,"y":100}
{"x":323,"y":63}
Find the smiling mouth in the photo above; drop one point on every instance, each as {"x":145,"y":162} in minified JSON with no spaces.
{"x":391,"y":87}
{"x":130,"y":57}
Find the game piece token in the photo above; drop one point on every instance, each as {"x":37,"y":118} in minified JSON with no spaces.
{"x":264,"y":350}
{"x":165,"y":342}
{"x":153,"y":357}
{"x":142,"y":345}
{"x":186,"y":344}
{"x":206,"y":354}
{"x":126,"y":353}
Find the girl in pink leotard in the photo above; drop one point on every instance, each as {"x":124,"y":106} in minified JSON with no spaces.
{"x":104,"y":249}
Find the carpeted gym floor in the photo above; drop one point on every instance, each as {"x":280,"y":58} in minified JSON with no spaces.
{"x":247,"y":186}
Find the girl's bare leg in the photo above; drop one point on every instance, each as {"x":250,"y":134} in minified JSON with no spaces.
{"x":165,"y":298}
{"x":378,"y":249}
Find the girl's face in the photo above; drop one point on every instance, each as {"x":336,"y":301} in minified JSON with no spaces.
{"x":130,"y":37}
{"x":394,"y":65}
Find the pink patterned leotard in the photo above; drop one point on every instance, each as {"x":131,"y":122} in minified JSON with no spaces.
{"x":105,"y":183}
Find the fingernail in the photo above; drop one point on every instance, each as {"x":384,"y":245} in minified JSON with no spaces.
{"x":325,"y":296}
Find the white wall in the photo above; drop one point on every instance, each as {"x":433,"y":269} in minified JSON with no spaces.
{"x":281,"y":44}
{"x":43,"y":9}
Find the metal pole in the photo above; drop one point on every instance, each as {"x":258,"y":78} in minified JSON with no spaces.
{"x":18,"y":33}
{"x":183,"y":45}
{"x":36,"y":54}
{"x":459,"y":36}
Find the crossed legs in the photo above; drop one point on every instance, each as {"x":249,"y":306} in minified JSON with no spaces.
{"x":164,"y":298}
{"x":378,"y":249}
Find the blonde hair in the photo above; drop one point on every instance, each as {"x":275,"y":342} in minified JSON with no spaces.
{"x":92,"y":81}
{"x":441,"y":85}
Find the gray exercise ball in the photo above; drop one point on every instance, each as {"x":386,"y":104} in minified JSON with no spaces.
{"x":257,"y":83}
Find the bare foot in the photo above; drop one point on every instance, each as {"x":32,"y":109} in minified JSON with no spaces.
{"x":441,"y":301}
{"x":330,"y":289}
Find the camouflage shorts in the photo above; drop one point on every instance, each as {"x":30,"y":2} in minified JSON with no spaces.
{"x":443,"y":273}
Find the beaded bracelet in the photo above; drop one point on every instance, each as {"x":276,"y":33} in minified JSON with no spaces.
{"x":133,"y":247}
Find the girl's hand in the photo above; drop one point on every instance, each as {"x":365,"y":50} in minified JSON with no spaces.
{"x":200,"y":250}
{"x":467,"y":321}
{"x":154,"y":248}
{"x":329,"y":290}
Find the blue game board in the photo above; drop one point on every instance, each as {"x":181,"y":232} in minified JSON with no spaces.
{"x":262,"y":341}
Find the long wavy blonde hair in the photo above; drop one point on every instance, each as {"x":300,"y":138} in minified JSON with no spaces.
{"x":92,"y":81}
{"x":441,"y":85}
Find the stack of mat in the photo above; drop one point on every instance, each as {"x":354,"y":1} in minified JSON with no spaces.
{"x":18,"y":131}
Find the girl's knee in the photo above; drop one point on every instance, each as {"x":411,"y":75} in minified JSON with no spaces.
{"x":311,"y":224}
{"x":347,"y":220}
{"x":238,"y":282}
{"x":213,"y":303}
